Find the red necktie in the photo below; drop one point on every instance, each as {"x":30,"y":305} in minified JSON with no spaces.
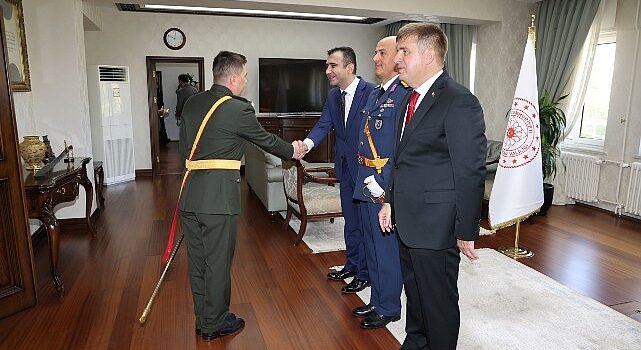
{"x":411,"y":107}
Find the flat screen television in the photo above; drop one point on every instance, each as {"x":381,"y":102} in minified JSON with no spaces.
{"x":288,"y":85}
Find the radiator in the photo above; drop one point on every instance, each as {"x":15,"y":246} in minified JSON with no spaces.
{"x":581,"y":176}
{"x":633,"y":202}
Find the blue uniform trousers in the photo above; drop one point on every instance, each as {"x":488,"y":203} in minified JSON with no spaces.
{"x":383,"y":262}
{"x":353,"y":235}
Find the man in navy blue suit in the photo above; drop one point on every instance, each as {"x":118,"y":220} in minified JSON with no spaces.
{"x":342,"y":112}
{"x":375,"y":158}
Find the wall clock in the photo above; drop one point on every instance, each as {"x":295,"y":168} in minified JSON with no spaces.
{"x":174,"y":38}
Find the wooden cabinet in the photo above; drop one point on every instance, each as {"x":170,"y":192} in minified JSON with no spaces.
{"x":291,"y":128}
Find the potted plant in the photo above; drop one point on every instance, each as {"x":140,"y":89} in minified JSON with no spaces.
{"x":552,"y":120}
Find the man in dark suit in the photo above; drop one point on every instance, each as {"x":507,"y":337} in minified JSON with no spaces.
{"x":437,"y":186}
{"x":342,"y":112}
{"x":185,"y":91}
{"x":376,"y":158}
{"x":210,"y":200}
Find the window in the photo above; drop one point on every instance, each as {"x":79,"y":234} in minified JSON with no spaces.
{"x":473,"y":59}
{"x":594,"y":118}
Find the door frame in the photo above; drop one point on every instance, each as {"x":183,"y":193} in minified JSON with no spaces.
{"x":18,"y":291}
{"x":154,"y":125}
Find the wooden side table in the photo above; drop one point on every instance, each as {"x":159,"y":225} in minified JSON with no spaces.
{"x":42,"y":195}
{"x":99,"y":181}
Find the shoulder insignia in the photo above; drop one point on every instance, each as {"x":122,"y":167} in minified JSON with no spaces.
{"x":404,"y":84}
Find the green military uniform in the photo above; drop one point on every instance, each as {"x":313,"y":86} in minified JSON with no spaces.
{"x":210,"y":201}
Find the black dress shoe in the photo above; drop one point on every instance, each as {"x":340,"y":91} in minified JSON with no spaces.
{"x":363,"y":311}
{"x":356,"y":285}
{"x":375,"y":320}
{"x":231,"y":325}
{"x":340,"y":275}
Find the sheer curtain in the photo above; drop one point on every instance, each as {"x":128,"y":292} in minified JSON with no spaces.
{"x":581,"y":76}
{"x":574,"y":105}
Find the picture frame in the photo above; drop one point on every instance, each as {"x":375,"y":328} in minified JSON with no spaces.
{"x":16,"y":44}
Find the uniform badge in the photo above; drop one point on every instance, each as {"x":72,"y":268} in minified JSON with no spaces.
{"x":388,"y":104}
{"x":378,"y":124}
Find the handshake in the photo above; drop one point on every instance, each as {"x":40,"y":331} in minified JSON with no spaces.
{"x":300,"y":149}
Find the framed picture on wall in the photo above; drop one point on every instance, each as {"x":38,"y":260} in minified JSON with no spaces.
{"x":18,"y":61}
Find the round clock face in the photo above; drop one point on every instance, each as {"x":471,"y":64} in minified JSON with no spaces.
{"x":174,"y":38}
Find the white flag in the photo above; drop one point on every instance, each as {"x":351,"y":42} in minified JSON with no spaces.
{"x":518,"y":185}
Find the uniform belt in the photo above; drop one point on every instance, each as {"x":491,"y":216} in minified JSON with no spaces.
{"x":376,"y":163}
{"x":207,"y":164}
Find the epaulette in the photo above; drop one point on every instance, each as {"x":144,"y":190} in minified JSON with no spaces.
{"x":240,"y":98}
{"x":404,"y":84}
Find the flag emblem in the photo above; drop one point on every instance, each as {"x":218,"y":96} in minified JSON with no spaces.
{"x":521,"y":143}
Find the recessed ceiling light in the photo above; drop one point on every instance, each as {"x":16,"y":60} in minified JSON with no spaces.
{"x":254,"y":12}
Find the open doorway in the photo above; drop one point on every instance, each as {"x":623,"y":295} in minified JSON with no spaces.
{"x":163,"y":84}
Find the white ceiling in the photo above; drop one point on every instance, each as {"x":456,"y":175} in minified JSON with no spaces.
{"x":452,"y":11}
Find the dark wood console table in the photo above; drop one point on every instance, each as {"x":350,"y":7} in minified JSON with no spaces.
{"x":42,"y":195}
{"x":291,"y":128}
{"x":99,"y":180}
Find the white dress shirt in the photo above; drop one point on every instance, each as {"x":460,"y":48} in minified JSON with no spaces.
{"x":422,"y":91}
{"x":350,"y":91}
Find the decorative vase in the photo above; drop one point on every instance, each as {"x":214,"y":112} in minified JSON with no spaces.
{"x":32,"y":150}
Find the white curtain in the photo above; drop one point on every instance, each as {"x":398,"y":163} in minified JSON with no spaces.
{"x":573,"y":105}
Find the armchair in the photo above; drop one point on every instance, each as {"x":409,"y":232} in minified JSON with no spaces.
{"x":311,"y":194}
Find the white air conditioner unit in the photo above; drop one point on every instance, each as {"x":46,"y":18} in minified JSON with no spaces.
{"x":111,"y":121}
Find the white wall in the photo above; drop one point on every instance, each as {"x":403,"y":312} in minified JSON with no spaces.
{"x":57,"y":104}
{"x":126,"y":38}
{"x":170,"y":72}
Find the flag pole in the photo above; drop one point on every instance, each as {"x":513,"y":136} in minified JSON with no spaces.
{"x":516,"y":251}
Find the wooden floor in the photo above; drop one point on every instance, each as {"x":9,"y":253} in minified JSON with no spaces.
{"x":169,"y":159}
{"x":279,"y":289}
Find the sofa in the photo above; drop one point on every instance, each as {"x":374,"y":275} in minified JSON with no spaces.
{"x":264,"y":175}
{"x":491,"y":163}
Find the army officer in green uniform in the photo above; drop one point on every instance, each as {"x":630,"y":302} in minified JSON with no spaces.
{"x":210,"y":200}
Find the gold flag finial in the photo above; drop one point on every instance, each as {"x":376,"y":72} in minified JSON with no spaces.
{"x":532,"y":32}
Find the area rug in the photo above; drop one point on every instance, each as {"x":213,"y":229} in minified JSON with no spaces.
{"x":321,"y":236}
{"x":507,"y":305}
{"x":324,"y":236}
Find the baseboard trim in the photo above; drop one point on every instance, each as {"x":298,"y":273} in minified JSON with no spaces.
{"x":144,"y":173}
{"x":622,"y":216}
{"x":77,"y":223}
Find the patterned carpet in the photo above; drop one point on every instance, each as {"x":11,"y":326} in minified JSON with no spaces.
{"x":324,"y":236}
{"x":507,"y":305}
